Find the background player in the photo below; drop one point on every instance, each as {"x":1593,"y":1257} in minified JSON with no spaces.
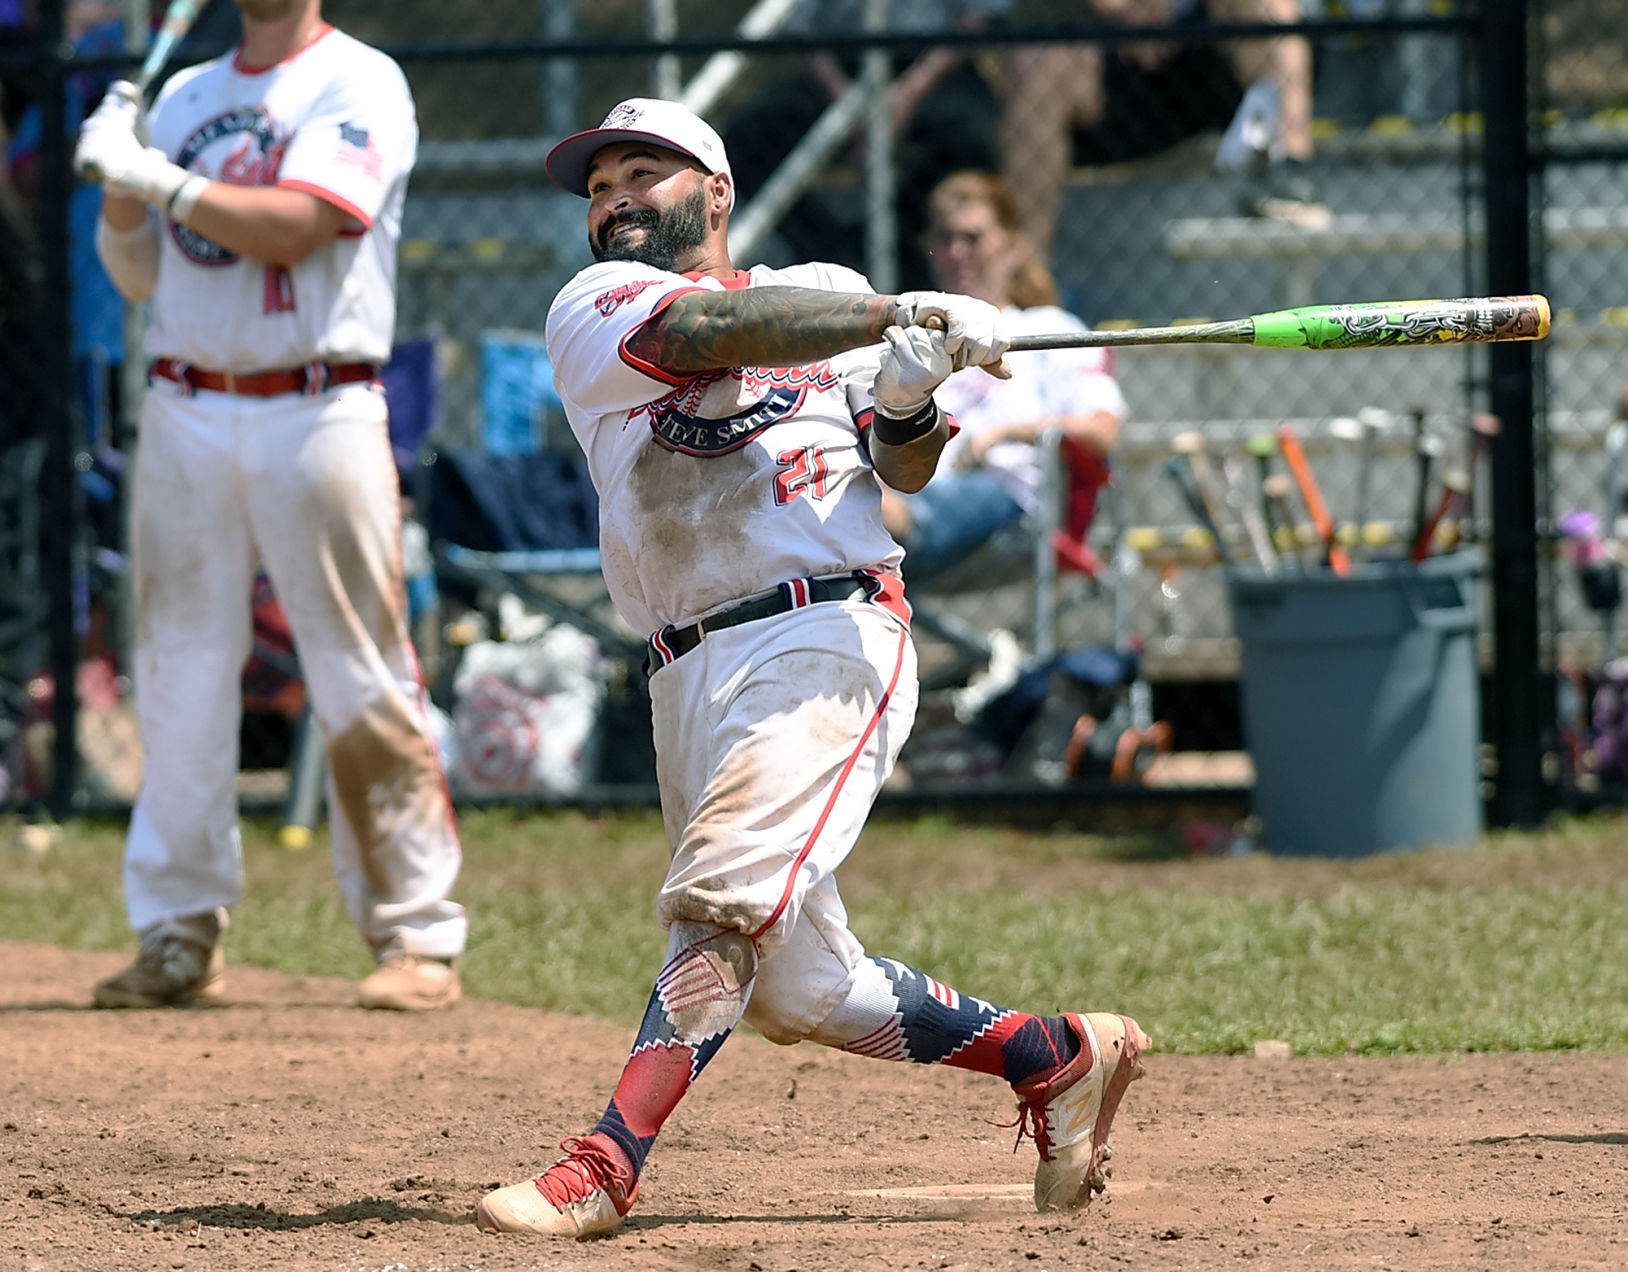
{"x":735,"y":424}
{"x":262,"y":222}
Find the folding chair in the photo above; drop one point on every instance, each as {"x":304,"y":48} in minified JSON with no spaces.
{"x":517,"y":514}
{"x":526,"y":524}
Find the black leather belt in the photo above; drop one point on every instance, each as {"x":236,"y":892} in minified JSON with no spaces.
{"x":674,"y":642}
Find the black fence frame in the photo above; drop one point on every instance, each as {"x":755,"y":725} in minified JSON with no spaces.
{"x":1522,"y":706}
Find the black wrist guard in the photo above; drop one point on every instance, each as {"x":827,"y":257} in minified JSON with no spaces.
{"x":896,"y":432}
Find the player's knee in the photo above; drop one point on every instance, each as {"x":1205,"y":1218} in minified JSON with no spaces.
{"x":707,"y":981}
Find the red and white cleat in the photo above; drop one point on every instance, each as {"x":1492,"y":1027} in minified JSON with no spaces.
{"x":1069,"y":1113}
{"x":584,"y":1194}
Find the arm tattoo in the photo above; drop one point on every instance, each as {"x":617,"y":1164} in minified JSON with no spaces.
{"x":759,"y":327}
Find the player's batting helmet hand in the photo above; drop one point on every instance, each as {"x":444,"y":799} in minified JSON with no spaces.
{"x":915,"y":362}
{"x":122,"y":103}
{"x":971,"y":328}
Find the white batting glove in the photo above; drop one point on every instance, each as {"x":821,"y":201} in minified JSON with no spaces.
{"x":122,"y":102}
{"x":971,"y":327}
{"x":109,"y":152}
{"x":915,"y":363}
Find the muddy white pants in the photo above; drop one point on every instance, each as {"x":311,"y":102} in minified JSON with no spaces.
{"x":773,"y":739}
{"x":308,"y":486}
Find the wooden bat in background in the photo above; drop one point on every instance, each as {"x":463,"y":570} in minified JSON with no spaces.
{"x":1483,"y":428}
{"x":1250,"y":514}
{"x":1375,"y":424}
{"x":1312,"y":496}
{"x":1454,"y":485}
{"x":1182,"y":473}
{"x":178,"y":20}
{"x":1370,"y":325}
{"x":1190,"y":446}
{"x":1345,"y":429}
{"x":1275,"y":491}
{"x":1427,"y":450}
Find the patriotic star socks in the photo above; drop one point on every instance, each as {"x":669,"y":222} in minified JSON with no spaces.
{"x":895,"y":1012}
{"x":699,"y":998}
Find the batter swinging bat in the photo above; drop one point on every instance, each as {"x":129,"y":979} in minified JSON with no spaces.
{"x":178,"y":20}
{"x":1369,"y":325}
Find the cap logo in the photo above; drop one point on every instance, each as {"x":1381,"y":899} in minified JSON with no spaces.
{"x":622,"y":116}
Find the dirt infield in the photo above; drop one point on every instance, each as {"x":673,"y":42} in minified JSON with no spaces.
{"x":290,"y":1130}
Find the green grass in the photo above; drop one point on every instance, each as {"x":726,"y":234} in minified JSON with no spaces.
{"x":1519,"y":942}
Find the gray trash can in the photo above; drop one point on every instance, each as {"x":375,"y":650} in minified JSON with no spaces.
{"x":1361,"y":705}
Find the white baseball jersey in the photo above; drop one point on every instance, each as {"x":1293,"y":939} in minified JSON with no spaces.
{"x":722,"y":485}
{"x":1045,"y":384}
{"x":335,"y":119}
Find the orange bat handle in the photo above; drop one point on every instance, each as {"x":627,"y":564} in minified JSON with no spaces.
{"x":1338,"y":559}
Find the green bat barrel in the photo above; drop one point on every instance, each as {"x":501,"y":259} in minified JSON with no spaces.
{"x":1413,"y":322}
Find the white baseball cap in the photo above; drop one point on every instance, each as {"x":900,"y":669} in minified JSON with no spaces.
{"x":652,"y":119}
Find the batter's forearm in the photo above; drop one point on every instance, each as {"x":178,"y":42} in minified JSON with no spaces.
{"x":122,"y":212}
{"x":129,"y":254}
{"x":910,"y":466}
{"x":274,"y":224}
{"x":759,"y":327}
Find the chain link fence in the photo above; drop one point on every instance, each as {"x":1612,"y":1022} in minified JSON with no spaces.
{"x":1171,"y":168}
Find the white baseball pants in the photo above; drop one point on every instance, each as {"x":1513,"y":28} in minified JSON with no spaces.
{"x":308,"y":486}
{"x":773,"y":739}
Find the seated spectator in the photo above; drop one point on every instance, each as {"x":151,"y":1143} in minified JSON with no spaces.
{"x":944,"y":113}
{"x":1083,"y":104}
{"x":990,"y":473}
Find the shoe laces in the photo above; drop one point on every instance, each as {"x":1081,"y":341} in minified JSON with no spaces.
{"x":589,"y":1165}
{"x":1031,"y":1124}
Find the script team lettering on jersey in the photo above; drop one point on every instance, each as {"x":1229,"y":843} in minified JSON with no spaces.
{"x":721,"y":412}
{"x":607,"y":303}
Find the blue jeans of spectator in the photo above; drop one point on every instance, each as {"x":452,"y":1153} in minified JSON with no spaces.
{"x":950,"y":517}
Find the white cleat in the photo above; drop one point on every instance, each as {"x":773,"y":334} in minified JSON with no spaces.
{"x":584,"y":1194}
{"x":1069,"y":1114}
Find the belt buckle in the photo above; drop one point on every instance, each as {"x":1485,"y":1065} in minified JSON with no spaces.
{"x":316,"y":379}
{"x":228,"y":382}
{"x":700,"y":629}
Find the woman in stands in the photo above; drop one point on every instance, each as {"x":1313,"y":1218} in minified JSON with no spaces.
{"x":990,"y":474}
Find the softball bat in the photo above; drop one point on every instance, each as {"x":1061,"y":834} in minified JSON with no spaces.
{"x":1368,"y":325}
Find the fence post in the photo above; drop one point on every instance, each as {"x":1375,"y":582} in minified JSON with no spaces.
{"x":1523,"y":698}
{"x":881,"y":233}
{"x":60,"y":510}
